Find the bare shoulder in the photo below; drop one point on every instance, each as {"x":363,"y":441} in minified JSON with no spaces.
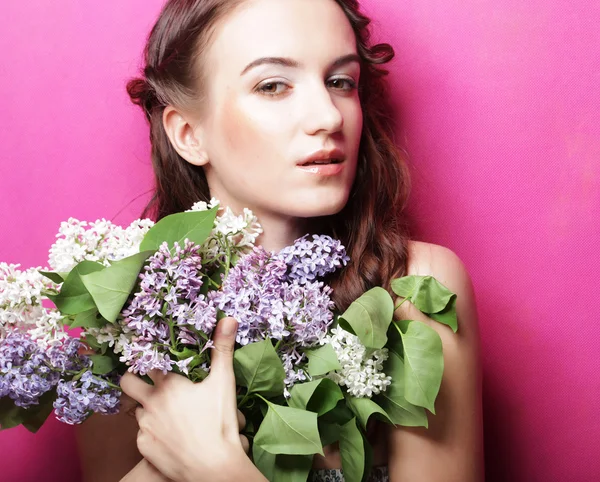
{"x":454,"y":437}
{"x":427,"y":259}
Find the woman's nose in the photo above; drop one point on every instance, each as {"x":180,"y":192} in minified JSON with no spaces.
{"x":321,"y":114}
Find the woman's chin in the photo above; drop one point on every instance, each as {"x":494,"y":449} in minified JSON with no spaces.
{"x":317,"y":207}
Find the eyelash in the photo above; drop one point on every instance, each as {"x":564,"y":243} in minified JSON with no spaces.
{"x":260,"y":89}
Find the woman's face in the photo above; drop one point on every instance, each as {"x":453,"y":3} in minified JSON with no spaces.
{"x":280,"y":79}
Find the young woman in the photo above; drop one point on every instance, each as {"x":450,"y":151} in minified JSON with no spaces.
{"x":280,"y":106}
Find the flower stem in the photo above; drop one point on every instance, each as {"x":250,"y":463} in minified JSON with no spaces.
{"x":400,"y":304}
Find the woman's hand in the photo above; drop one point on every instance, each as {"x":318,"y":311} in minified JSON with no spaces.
{"x":190,"y":431}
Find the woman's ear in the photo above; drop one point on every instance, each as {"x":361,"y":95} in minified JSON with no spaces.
{"x":185,"y":138}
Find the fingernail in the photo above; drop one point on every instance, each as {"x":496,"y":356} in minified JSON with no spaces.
{"x":228,"y":326}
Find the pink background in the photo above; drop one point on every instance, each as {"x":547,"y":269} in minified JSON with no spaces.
{"x":501,"y":107}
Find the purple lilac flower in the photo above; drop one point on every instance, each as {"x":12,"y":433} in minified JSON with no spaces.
{"x":25,"y":374}
{"x":248,"y":294}
{"x":265,"y":304}
{"x":65,"y":356}
{"x":142,"y":357}
{"x":169,"y":294}
{"x":311,"y":259}
{"x":78,"y":399}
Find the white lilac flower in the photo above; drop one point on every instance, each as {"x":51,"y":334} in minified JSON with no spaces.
{"x":362,"y":369}
{"x":100,"y":241}
{"x":291,"y":360}
{"x":21,"y":305}
{"x":239,"y":232}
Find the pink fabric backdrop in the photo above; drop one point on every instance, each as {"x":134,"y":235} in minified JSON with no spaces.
{"x":500,"y":103}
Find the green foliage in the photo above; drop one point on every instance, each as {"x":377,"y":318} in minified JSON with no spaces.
{"x":322,"y":360}
{"x":282,"y":467}
{"x":88,"y":319}
{"x":103,"y":364}
{"x":393,"y":400}
{"x":55,"y":276}
{"x":74,"y":297}
{"x":287,"y":430}
{"x":258,"y":368}
{"x":111,"y":286}
{"x":352,"y":452}
{"x":194,"y":226}
{"x":423,"y":363}
{"x":364,"y":408}
{"x":369,"y":317}
{"x":429,"y":296}
{"x":320,"y":396}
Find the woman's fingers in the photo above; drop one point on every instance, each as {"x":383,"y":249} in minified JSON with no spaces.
{"x":241,"y":420}
{"x":156,"y":376}
{"x":135,"y":387}
{"x":245,"y":443}
{"x":221,"y":355}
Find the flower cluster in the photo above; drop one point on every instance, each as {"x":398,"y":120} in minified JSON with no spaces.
{"x":316,"y":258}
{"x":362,"y":369}
{"x":268,"y":304}
{"x":238,"y":233}
{"x":25,"y":370}
{"x":100,"y":241}
{"x":21,"y":304}
{"x":276,"y":295}
{"x":169,"y":297}
{"x":28,"y":371}
{"x":79,"y":398}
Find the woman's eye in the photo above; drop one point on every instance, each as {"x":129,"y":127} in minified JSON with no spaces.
{"x":342,"y":84}
{"x":272,"y":88}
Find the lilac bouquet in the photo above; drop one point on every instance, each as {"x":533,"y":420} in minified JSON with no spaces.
{"x":148,"y":297}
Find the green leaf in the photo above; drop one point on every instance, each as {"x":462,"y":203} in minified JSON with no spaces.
{"x":258,"y":368}
{"x":340,"y":415}
{"x":88,"y":319}
{"x":55,"y":276}
{"x":198,"y":374}
{"x":10,"y":415}
{"x":318,"y":396}
{"x":423,"y":363}
{"x":74,"y":297}
{"x":193,"y":225}
{"x":282,"y":467}
{"x":111,"y":287}
{"x":287,"y":430}
{"x":329,"y":432}
{"x":393,"y":401}
{"x":369,"y":317}
{"x":352,"y":452}
{"x":322,"y":360}
{"x":35,"y":417}
{"x":102,"y":364}
{"x":447,"y":316}
{"x":364,"y":408}
{"x":429,"y":296}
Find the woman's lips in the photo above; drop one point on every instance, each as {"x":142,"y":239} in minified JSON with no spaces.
{"x":329,"y":169}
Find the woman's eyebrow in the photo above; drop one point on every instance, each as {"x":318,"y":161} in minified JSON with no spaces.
{"x":287,"y":62}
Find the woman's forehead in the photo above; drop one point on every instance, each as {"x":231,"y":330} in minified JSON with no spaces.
{"x":307,"y":31}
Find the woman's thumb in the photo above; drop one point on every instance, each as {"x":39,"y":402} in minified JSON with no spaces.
{"x":221,"y":357}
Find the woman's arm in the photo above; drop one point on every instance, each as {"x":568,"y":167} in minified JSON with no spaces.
{"x":107,"y":449}
{"x":190,"y":431}
{"x":451,"y":449}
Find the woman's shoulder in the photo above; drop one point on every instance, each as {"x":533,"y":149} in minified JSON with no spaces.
{"x":427,"y":259}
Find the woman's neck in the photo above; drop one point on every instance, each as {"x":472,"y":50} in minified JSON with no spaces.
{"x":278,"y":231}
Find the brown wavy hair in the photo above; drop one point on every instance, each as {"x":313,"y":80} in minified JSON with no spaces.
{"x":371,"y":224}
